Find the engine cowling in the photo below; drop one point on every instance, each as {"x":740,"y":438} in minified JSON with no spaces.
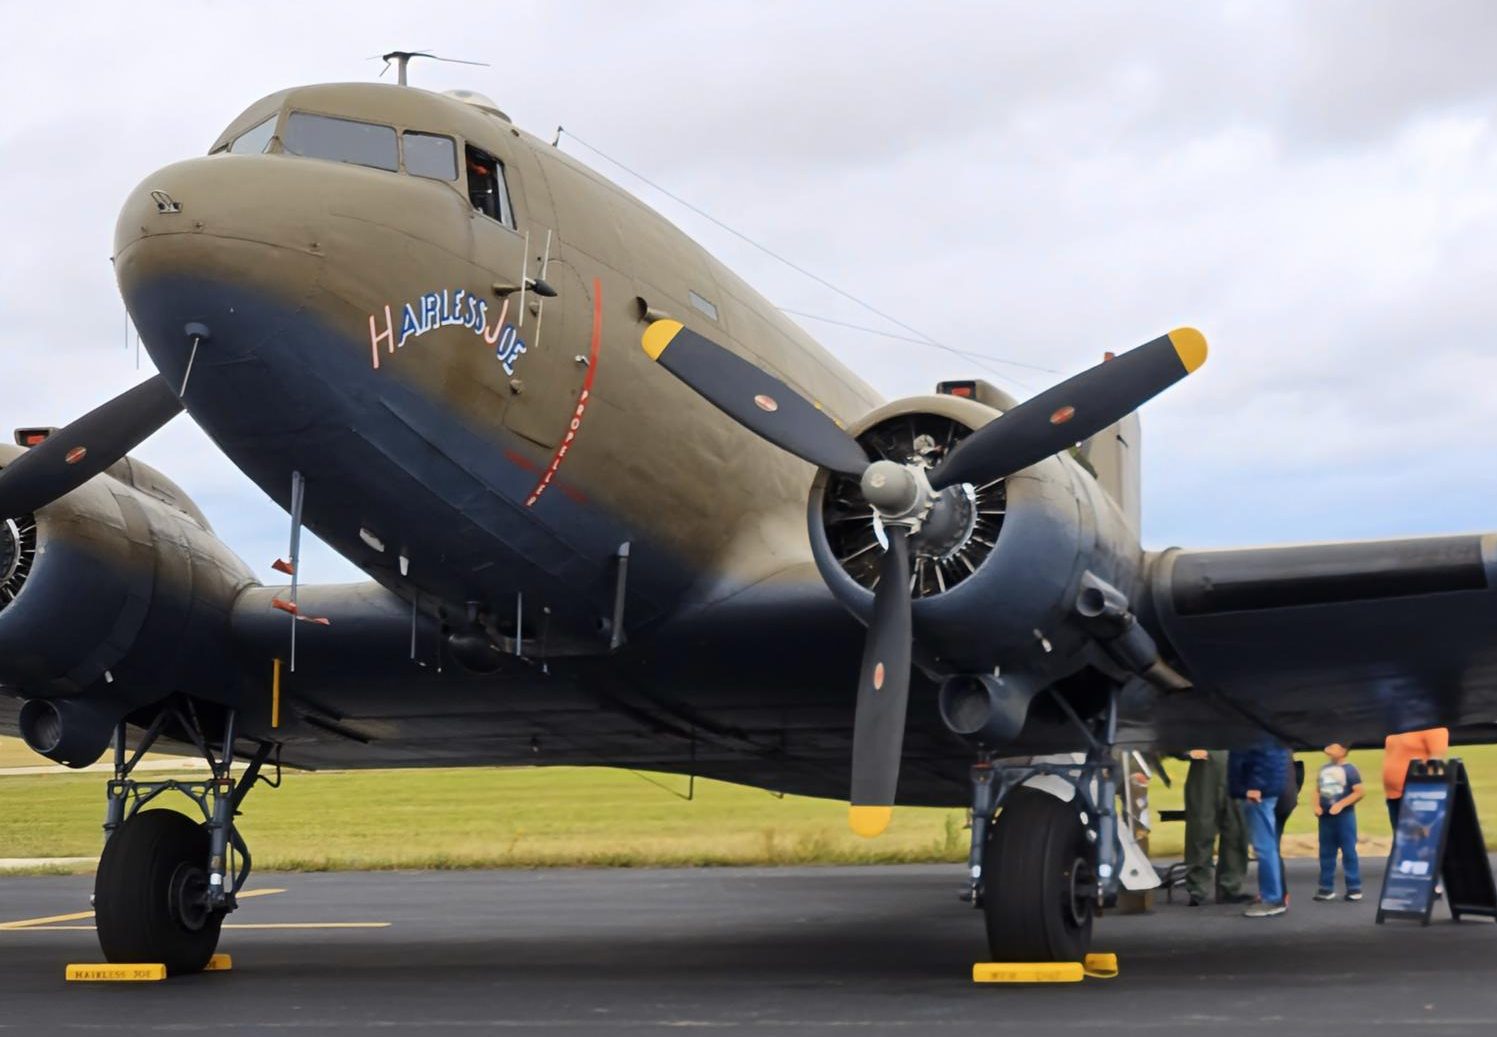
{"x":996,"y":586}
{"x":111,"y":598}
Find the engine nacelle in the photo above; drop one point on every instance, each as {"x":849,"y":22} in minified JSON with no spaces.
{"x":111,"y":598}
{"x":1001,"y":590}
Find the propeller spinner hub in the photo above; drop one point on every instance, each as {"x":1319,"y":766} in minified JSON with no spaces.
{"x":899,"y":493}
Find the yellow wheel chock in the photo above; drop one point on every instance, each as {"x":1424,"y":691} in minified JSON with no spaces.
{"x":1096,"y":966}
{"x":105,"y":972}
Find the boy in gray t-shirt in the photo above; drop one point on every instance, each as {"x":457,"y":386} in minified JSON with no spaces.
{"x":1339,"y":786}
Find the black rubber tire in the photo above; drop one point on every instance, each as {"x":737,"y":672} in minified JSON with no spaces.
{"x":1036,"y":847}
{"x":135,"y":908}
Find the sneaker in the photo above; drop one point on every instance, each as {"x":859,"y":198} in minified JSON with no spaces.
{"x":1329,"y":894}
{"x":1266,"y":910}
{"x":1354,"y":895}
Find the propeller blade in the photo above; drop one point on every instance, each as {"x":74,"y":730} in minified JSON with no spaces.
{"x":1074,"y":410}
{"x":71,"y":456}
{"x":754,"y":398}
{"x":883,"y":693}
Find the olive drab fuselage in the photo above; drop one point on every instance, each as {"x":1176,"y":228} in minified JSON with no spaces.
{"x":416,"y":345}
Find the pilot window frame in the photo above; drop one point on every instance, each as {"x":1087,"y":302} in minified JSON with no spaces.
{"x":288,"y":144}
{"x":501,"y":211}
{"x":268,"y":124}
{"x":405,"y":154}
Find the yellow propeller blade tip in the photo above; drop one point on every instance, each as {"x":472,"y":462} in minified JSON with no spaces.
{"x":869,"y":821}
{"x":659,"y":335}
{"x":1190,"y":347}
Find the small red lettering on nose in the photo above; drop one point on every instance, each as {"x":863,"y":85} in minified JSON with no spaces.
{"x":76,"y":454}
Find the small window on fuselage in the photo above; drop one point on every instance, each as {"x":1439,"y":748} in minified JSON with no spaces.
{"x":703,"y":303}
{"x":341,"y":140}
{"x":486,"y":188}
{"x":430,"y":155}
{"x":255,"y":140}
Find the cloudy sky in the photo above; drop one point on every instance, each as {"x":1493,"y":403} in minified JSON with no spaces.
{"x":1312,"y":185}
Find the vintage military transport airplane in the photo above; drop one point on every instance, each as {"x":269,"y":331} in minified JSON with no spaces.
{"x":617,"y":509}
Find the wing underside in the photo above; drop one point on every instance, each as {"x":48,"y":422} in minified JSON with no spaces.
{"x":755,"y":689}
{"x":1331,"y":642}
{"x":1311,"y":643}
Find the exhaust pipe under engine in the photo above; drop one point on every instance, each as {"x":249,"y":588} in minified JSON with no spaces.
{"x":984,"y":708}
{"x":67,"y":731}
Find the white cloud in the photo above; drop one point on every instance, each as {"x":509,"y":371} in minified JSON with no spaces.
{"x":1315,"y":186}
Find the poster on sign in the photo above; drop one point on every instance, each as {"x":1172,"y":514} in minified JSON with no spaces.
{"x":1418,"y":849}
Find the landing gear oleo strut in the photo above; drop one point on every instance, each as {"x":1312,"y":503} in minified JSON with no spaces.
{"x":165,"y":882}
{"x":1042,"y":866}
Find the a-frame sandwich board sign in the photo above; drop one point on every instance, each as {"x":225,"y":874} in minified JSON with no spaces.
{"x":1438,"y":833}
{"x":1469,"y":886}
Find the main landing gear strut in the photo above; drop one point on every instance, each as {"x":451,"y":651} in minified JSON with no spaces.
{"x":165,"y":882}
{"x":1040,"y":869}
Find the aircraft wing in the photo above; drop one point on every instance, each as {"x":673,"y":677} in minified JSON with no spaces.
{"x":722,"y":689}
{"x":1331,"y":642}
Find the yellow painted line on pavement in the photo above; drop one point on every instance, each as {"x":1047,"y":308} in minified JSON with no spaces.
{"x":27,"y":923}
{"x":227,"y":925}
{"x":30,"y":923}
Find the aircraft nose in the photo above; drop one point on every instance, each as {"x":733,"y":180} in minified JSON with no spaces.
{"x":223,"y":250}
{"x":270,"y":270}
{"x":189,"y":215}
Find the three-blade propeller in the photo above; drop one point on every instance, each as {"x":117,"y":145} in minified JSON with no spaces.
{"x":1055,"y":420}
{"x":71,"y":456}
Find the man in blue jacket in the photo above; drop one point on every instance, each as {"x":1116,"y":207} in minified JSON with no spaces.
{"x":1256,"y":776}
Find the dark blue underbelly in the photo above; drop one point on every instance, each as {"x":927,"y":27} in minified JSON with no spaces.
{"x":279,"y":390}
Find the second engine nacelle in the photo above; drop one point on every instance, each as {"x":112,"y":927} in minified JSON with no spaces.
{"x":114,"y":596}
{"x":997,"y":585}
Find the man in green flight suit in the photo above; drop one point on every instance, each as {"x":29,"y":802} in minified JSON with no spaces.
{"x":1209,"y":813}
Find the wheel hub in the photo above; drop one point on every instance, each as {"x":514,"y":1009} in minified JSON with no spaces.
{"x":1082,"y":891}
{"x":187,"y":896}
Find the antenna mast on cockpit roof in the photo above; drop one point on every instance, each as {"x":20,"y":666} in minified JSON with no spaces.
{"x":402,"y":58}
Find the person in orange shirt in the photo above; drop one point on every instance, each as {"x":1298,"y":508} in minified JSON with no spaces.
{"x":1398,"y":750}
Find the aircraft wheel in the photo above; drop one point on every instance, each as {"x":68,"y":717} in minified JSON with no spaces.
{"x":1039,"y":887}
{"x":149,"y":893}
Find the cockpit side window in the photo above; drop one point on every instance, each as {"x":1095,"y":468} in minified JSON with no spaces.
{"x":341,"y":140}
{"x":430,"y":155}
{"x":255,"y":140}
{"x":486,"y":187}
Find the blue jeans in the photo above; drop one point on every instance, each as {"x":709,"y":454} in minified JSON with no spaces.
{"x":1339,"y":833}
{"x":1264,"y":834}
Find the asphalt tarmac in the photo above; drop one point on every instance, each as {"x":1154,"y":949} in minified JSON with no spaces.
{"x":792,"y":950}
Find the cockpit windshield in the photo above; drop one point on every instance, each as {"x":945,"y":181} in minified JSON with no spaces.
{"x":341,"y":140}
{"x":255,"y":140}
{"x":430,"y":155}
{"x":375,"y":145}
